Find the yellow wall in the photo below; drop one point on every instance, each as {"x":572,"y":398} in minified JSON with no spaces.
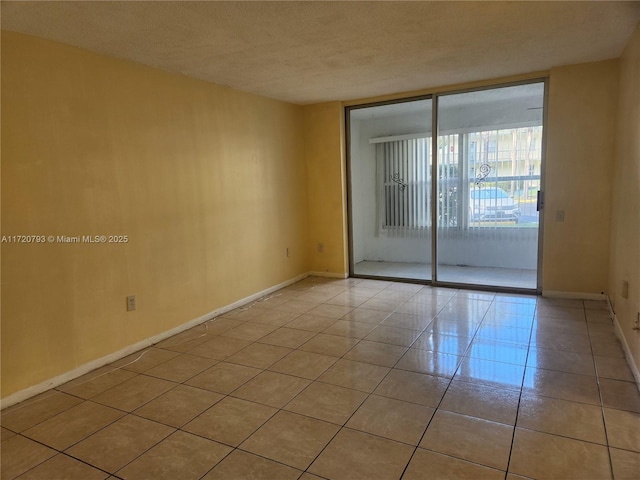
{"x":580,"y":151}
{"x":324,"y":127}
{"x":625,"y":231}
{"x":208,"y":183}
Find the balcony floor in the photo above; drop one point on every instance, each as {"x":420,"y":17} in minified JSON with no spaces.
{"x":485,"y":276}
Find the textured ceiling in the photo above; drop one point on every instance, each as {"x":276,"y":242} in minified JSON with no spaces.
{"x":306,"y":51}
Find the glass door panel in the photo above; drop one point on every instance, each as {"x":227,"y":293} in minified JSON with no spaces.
{"x":390,"y":196}
{"x":489,"y":159}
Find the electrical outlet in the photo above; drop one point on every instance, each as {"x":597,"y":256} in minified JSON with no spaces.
{"x":288,"y":252}
{"x":320,"y":247}
{"x":636,"y":325}
{"x":131,"y":303}
{"x":625,"y":289}
{"x":559,"y":215}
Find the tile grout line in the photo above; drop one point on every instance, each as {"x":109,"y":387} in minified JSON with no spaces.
{"x":524,"y":374}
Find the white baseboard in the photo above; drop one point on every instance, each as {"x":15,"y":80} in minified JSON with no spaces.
{"x":100,"y":362}
{"x":625,"y":346}
{"x":329,"y":274}
{"x":573,"y":295}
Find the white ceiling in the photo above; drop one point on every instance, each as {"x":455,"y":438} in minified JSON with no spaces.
{"x":307,"y":51}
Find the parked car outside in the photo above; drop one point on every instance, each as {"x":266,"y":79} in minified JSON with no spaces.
{"x":492,"y":203}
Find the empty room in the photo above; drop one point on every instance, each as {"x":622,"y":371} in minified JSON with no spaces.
{"x":320,"y":240}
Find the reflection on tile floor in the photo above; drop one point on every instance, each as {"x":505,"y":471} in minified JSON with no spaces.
{"x":494,"y":276}
{"x":344,"y":379}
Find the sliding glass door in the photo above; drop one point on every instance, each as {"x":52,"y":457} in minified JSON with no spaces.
{"x":391,"y":190}
{"x":489,"y":161}
{"x":469,"y":219}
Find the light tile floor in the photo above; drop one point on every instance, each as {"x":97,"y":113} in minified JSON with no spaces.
{"x":350,"y":379}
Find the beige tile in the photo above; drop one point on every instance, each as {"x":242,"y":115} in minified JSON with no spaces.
{"x":6,"y":434}
{"x":271,"y":388}
{"x":566,"y":386}
{"x":432,"y":363}
{"x":620,"y":395}
{"x":596,"y":305}
{"x":508,"y":320}
{"x":561,"y":417}
{"x":144,"y":360}
{"x":443,"y":466}
{"x":393,"y":419}
{"x":287,"y":337}
{"x":230,"y":421}
{"x":182,"y":345}
{"x":543,"y":328}
{"x":291,"y":439}
{"x":330,"y":311}
{"x":316,"y":296}
{"x":382,"y":304}
{"x":20,"y":454}
{"x":498,"y":352}
{"x":561,"y":341}
{"x":219,"y":348}
{"x":180,"y":455}
{"x":473,"y":439}
{"x":366,"y":315}
{"x":388,"y":294}
{"x":250,"y":331}
{"x":332,"y":345}
{"x":449,"y":344}
{"x":346,"y":328}
{"x":259,"y":355}
{"x":464,"y":327}
{"x":73,"y":425}
{"x":353,"y":455}
{"x":312,"y":323}
{"x":224,"y":377}
{"x":607,"y":347}
{"x":626,"y":465}
{"x":623,"y":429}
{"x":241,"y":465}
{"x":113,"y":447}
{"x":304,"y":364}
{"x":417,"y":306}
{"x":296,"y":306}
{"x":536,"y":455}
{"x":178,"y":406}
{"x":357,"y":375}
{"x":376,"y":353}
{"x":327,"y":402}
{"x":181,"y":368}
{"x":63,"y":467}
{"x":498,"y":333}
{"x":495,"y":404}
{"x":96,"y":382}
{"x":309,"y":476}
{"x":223,"y":324}
{"x":274,"y":317}
{"x":570,"y":362}
{"x":407,"y":320}
{"x":192,"y":334}
{"x":413,"y":387}
{"x":395,"y":336}
{"x":348,"y":300}
{"x":26,"y":414}
{"x":133,"y":393}
{"x":599,"y":316}
{"x":614,"y":368}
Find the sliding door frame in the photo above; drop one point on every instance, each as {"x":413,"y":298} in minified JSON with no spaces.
{"x":434,"y":97}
